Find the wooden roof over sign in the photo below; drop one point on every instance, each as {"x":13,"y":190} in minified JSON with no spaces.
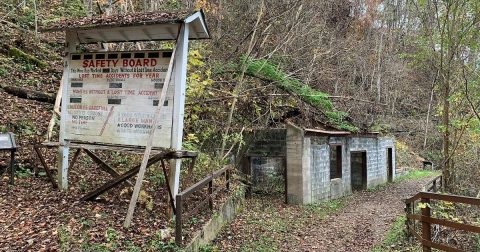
{"x":149,"y":26}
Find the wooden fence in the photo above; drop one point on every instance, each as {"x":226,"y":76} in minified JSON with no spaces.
{"x":427,"y":220}
{"x":434,"y":185}
{"x":181,"y":197}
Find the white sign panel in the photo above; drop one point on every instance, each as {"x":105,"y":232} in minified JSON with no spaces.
{"x":112,"y":98}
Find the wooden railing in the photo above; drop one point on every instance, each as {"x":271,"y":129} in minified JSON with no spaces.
{"x":181,"y":197}
{"x":434,"y":185}
{"x":427,"y":220}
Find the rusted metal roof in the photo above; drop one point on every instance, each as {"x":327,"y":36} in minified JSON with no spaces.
{"x":332,"y":132}
{"x":327,"y":132}
{"x":134,"y":19}
{"x":151,"y":26}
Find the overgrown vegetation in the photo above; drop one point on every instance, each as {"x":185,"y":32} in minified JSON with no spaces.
{"x":266,"y":70}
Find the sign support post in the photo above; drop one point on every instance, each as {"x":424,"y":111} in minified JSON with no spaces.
{"x":179,"y":105}
{"x":63,"y":149}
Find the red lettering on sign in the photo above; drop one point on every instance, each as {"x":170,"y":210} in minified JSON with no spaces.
{"x":99,"y":63}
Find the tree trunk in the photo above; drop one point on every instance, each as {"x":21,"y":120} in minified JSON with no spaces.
{"x":29,"y":94}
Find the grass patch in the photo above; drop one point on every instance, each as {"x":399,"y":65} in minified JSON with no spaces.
{"x":29,"y":59}
{"x":417,"y":174}
{"x":326,"y":208}
{"x":396,"y":239}
{"x":394,"y":236}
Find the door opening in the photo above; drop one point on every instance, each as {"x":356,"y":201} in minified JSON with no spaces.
{"x":358,"y":167}
{"x":390,"y":164}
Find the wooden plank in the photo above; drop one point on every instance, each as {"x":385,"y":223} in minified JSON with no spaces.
{"x":451,"y":198}
{"x":45,"y":167}
{"x":124,"y":148}
{"x":104,"y":166}
{"x":12,"y":167}
{"x":432,"y":244}
{"x":446,"y":223}
{"x":197,"y":208}
{"x":170,"y":196}
{"x":148,"y":148}
{"x":118,"y":180}
{"x":74,"y":159}
{"x":444,"y":197}
{"x":58,"y":99}
{"x":203,"y":182}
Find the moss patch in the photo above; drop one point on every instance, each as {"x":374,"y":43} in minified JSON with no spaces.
{"x":17,"y":53}
{"x":266,"y":70}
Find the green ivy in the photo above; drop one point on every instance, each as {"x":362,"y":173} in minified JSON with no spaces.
{"x":266,"y":70}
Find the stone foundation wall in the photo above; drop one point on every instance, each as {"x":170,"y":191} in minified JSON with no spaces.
{"x":268,"y":173}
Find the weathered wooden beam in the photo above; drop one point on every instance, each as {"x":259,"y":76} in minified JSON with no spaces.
{"x":104,"y":166}
{"x":149,"y":144}
{"x":170,"y":196}
{"x":45,"y":167}
{"x":118,"y":180}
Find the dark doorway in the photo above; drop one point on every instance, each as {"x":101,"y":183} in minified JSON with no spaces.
{"x":358,"y":166}
{"x":335,"y":161}
{"x":390,"y":164}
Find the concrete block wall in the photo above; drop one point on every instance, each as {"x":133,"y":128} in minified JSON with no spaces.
{"x":266,"y":171}
{"x":384,"y":143}
{"x":308,"y":165}
{"x":345,"y":186}
{"x":295,"y":171}
{"x":320,"y":172}
{"x":321,"y":186}
{"x":269,"y":142}
{"x":265,"y":158}
{"x":376,"y":171}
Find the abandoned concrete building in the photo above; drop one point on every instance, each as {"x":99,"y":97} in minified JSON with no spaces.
{"x":315,"y":165}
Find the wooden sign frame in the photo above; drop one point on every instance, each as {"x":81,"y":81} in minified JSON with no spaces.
{"x":192,"y":26}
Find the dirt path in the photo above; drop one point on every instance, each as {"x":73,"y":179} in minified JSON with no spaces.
{"x":357,"y":225}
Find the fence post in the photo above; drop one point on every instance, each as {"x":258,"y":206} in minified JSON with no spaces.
{"x":178,"y":220}
{"x":210,"y":192}
{"x":426,"y":228}
{"x":408,"y":210}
